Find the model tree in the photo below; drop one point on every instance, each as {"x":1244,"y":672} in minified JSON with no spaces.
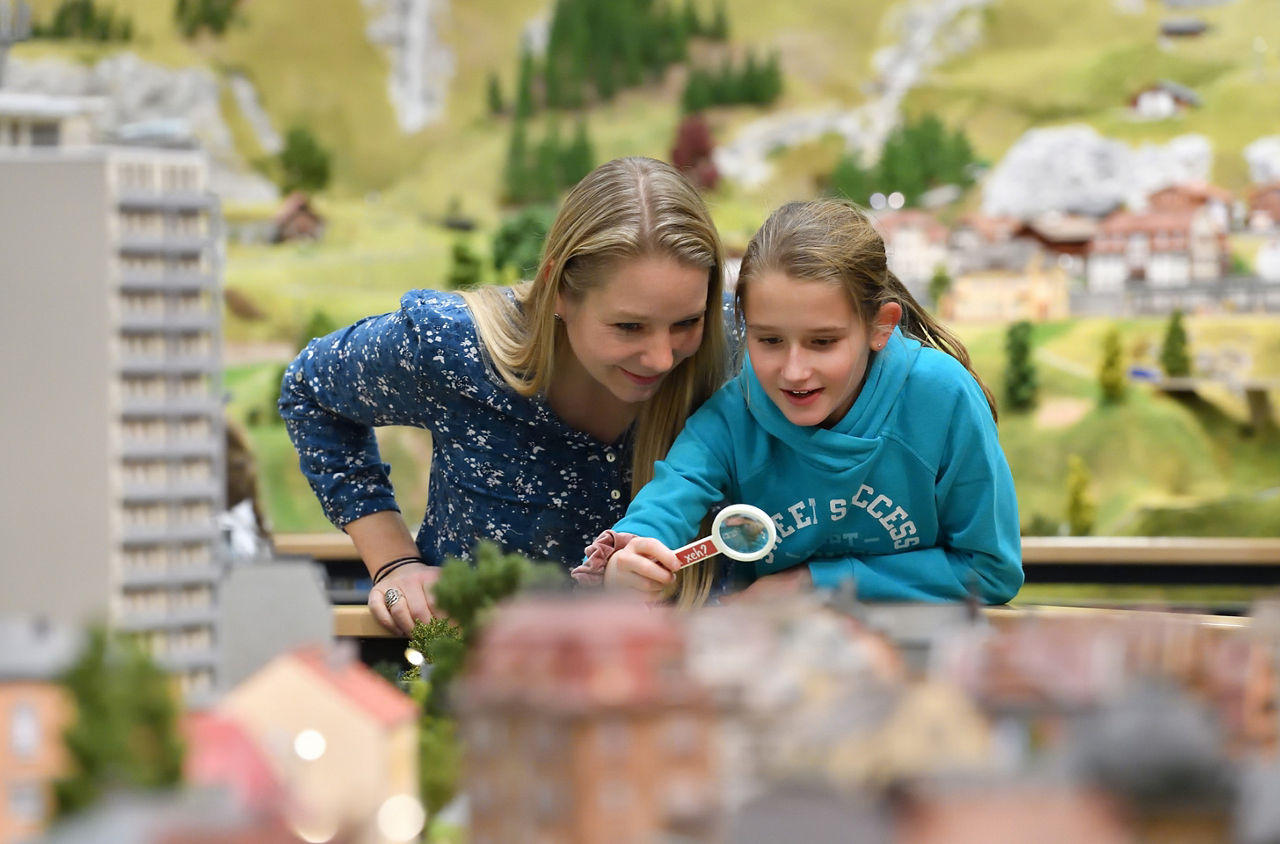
{"x":939,"y":286}
{"x":497,"y":105}
{"x":1174,"y":358}
{"x":304,"y":164}
{"x":691,"y":153}
{"x":466,"y":271}
{"x":1020,"y":382}
{"x":518,"y":241}
{"x":464,"y":593}
{"x":125,"y":735}
{"x":1081,"y":510}
{"x":1111,"y":375}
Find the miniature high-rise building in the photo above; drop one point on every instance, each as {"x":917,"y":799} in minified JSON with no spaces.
{"x":112,"y":434}
{"x":581,"y":723}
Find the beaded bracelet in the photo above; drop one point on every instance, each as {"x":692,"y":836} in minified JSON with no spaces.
{"x":386,"y":568}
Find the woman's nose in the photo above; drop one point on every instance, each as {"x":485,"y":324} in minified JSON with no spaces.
{"x":659,"y":354}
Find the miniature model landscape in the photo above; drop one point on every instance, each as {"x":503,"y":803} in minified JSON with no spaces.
{"x":582,"y":717}
{"x":1087,"y":192}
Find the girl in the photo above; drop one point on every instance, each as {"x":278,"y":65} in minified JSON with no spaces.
{"x":858,"y":425}
{"x":547,"y":403}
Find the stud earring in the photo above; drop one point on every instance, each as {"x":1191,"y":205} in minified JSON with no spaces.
{"x":558,"y":318}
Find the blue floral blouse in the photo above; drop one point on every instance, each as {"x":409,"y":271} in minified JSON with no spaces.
{"x":504,"y":467}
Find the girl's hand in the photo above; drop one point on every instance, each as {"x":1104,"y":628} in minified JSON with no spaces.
{"x":772,"y":586}
{"x":644,"y":565}
{"x":413,"y":584}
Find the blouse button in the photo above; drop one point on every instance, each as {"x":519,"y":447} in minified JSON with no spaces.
{"x":610,"y":456}
{"x":615,"y":495}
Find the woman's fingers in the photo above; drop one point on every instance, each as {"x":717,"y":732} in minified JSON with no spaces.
{"x":405,"y":597}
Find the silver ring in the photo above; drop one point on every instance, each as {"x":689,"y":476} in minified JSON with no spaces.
{"x":390,"y":597}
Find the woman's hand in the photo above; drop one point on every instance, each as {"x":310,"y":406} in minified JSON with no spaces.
{"x":644,"y":565}
{"x":414,"y":586}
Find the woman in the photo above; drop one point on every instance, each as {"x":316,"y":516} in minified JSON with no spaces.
{"x":548,"y":403}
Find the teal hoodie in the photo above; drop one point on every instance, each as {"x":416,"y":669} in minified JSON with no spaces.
{"x":909,"y":495}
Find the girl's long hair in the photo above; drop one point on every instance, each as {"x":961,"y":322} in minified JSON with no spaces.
{"x":624,"y":209}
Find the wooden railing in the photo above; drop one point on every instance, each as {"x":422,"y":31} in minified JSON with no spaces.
{"x":1113,"y":560}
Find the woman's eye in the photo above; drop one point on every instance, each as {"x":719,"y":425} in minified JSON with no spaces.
{"x":689,"y":323}
{"x":627,"y":326}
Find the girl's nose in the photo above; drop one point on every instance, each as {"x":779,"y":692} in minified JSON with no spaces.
{"x":796,"y":367}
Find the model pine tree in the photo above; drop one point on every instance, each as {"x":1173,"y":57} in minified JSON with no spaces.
{"x":463,"y":593}
{"x":1111,"y":375}
{"x":940,"y":285}
{"x":125,"y":735}
{"x":1174,"y":357}
{"x":1081,"y":510}
{"x":1020,"y":374}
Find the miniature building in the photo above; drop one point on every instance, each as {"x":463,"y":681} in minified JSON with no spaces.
{"x":34,"y":711}
{"x":1060,"y":234}
{"x":1014,"y":280}
{"x":1159,"y":249}
{"x":341,"y":740}
{"x":1189,"y":196}
{"x":916,"y":244}
{"x":1264,"y":207}
{"x":1162,"y":100}
{"x":297,"y":220}
{"x":39,"y":120}
{"x":113,"y":444}
{"x":580,"y":723}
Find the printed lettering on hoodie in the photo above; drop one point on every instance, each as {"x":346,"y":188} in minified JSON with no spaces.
{"x":896,"y":521}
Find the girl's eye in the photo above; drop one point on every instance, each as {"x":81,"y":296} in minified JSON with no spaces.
{"x":689,"y":323}
{"x":769,"y":341}
{"x":627,"y":326}
{"x":823,"y":341}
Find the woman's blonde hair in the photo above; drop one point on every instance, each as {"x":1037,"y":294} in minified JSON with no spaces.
{"x":625,"y":209}
{"x":832,"y":240}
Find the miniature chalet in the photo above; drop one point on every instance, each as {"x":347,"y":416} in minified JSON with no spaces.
{"x":297,"y":220}
{"x":1162,"y":100}
{"x":580,"y":723}
{"x":1157,"y":249}
{"x":341,"y":740}
{"x":1192,"y":196}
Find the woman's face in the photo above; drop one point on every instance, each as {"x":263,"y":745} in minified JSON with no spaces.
{"x":631,"y":331}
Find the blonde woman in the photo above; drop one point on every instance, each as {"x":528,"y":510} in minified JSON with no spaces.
{"x":548,"y":403}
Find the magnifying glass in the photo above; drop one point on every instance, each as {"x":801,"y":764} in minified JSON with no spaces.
{"x":740,"y":531}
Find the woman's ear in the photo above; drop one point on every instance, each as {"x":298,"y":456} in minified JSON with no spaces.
{"x":887,"y":319}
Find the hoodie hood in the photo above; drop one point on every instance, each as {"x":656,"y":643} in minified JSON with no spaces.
{"x":856,"y":437}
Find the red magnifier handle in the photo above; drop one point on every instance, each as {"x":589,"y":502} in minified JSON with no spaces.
{"x":696,"y":552}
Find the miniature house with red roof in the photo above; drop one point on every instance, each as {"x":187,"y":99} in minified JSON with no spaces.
{"x":341,"y":740}
{"x":1158,"y":249}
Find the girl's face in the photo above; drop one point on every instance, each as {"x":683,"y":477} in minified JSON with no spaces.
{"x":809,"y":348}
{"x":631,"y":331}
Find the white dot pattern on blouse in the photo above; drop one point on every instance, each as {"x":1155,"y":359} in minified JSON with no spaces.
{"x":504,"y":467}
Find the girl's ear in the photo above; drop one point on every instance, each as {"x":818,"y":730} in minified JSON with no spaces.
{"x":887,"y":319}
